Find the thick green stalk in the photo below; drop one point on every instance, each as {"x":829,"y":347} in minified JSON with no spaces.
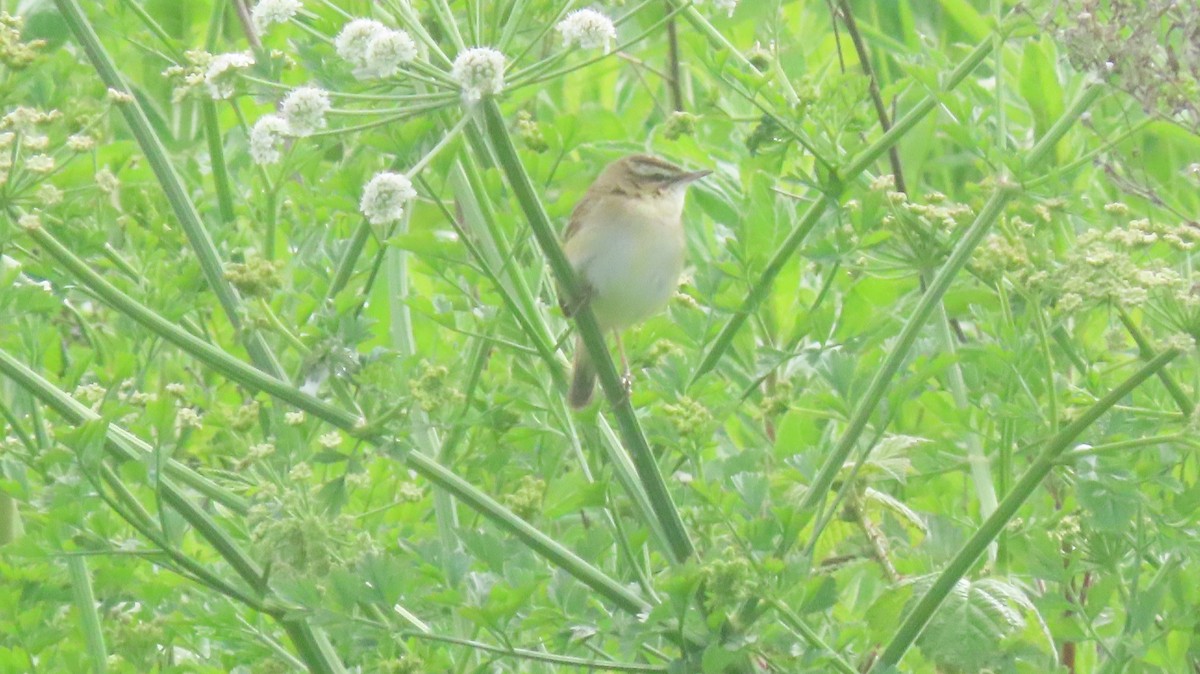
{"x":121,"y":450}
{"x":932,"y":298}
{"x":541,"y":544}
{"x":762,"y":287}
{"x":424,"y":433}
{"x":210,"y":355}
{"x":977,"y":460}
{"x":585,"y":664}
{"x":85,"y":603}
{"x":216,"y":155}
{"x":121,"y":444}
{"x":919,"y":617}
{"x":631,"y":431}
{"x":177,"y":195}
{"x":1146,"y":350}
{"x":868,"y":403}
{"x":10,"y":519}
{"x":251,"y":377}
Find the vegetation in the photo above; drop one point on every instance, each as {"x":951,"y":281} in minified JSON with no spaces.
{"x":282,"y":373}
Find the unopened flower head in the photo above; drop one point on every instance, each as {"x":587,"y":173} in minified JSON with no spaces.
{"x":48,"y":195}
{"x":589,"y":28}
{"x":351,"y":44}
{"x":268,"y":12}
{"x":80,"y":142}
{"x":118,"y":96}
{"x":221,"y":74}
{"x":266,"y":137}
{"x":30,"y":221}
{"x":40,"y":163}
{"x":385,"y":197}
{"x":304,"y":109}
{"x":387,"y":51}
{"x":479,"y":71}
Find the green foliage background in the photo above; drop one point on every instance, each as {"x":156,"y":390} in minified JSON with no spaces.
{"x":940,"y":398}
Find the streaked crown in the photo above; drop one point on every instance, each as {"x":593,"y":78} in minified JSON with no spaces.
{"x":640,"y":173}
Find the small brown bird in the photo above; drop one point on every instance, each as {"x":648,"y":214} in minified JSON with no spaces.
{"x":625,"y":242}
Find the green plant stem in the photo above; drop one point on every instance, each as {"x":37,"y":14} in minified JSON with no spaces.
{"x":1146,"y":350}
{"x":537,"y":656}
{"x":1136,"y":443}
{"x":85,"y":603}
{"x":216,"y":155}
{"x":10,"y":519}
{"x":177,"y":195}
{"x":123,"y":445}
{"x":761,"y":288}
{"x":869,"y":402}
{"x":980,"y":467}
{"x":251,"y":377}
{"x":211,"y":355}
{"x":794,"y":621}
{"x":425,"y":435}
{"x":932,"y":297}
{"x":631,"y":432}
{"x":919,"y":617}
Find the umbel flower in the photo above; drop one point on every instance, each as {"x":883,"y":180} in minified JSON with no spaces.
{"x":387,"y":51}
{"x":304,"y":109}
{"x":266,"y":137}
{"x":220,"y":76}
{"x":385,"y":197}
{"x":589,"y":28}
{"x":373,"y":49}
{"x":351,"y":43}
{"x":479,"y":71}
{"x":268,"y":12}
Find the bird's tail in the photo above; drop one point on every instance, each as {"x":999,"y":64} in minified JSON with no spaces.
{"x":583,"y":378}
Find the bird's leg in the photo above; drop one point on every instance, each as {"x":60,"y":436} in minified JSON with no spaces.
{"x":626,"y":375}
{"x":569,"y":308}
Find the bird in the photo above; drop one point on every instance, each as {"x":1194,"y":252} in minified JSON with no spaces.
{"x":625,"y":243}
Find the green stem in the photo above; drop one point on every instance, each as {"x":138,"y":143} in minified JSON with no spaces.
{"x":919,"y":617}
{"x":537,"y":656}
{"x":253,"y":378}
{"x":177,"y":195}
{"x":869,"y":402}
{"x":85,"y":603}
{"x":1146,"y":350}
{"x":216,"y":156}
{"x":631,"y":431}
{"x":122,"y":444}
{"x":762,"y":287}
{"x":1136,"y":443}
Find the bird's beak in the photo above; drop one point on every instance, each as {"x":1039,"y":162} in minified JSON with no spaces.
{"x":685,"y":178}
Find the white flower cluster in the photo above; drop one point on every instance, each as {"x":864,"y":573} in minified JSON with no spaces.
{"x":385,"y":197}
{"x":268,"y":12}
{"x":304,"y":109}
{"x":374,"y":49}
{"x":302,"y":113}
{"x":480,"y":72}
{"x":589,"y":28}
{"x":266,"y":137}
{"x":221,"y":74}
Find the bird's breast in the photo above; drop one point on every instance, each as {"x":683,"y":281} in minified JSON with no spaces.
{"x":631,"y":254}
